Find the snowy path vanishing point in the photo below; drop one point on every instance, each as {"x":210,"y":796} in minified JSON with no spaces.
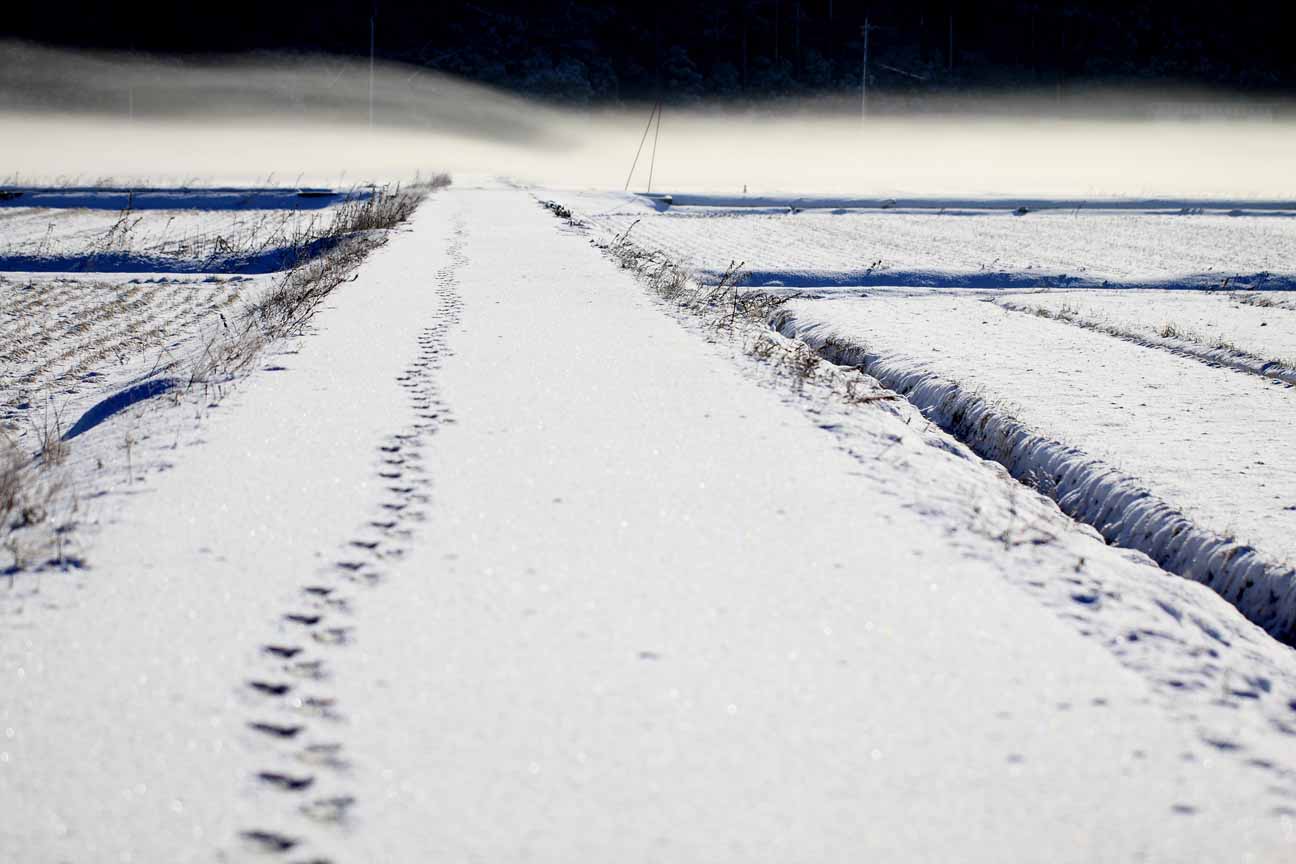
{"x":629,"y":605}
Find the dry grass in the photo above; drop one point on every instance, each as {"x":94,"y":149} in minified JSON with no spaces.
{"x":12,"y":484}
{"x":382,"y":209}
{"x":1267,"y":300}
{"x":285,"y":310}
{"x":723,"y":307}
{"x":212,"y":237}
{"x":48,"y":432}
{"x":62,"y":335}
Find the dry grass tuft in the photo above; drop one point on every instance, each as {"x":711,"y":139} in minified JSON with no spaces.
{"x":49,"y":437}
{"x":382,"y":209}
{"x":725,"y":307}
{"x":286,"y":309}
{"x":54,"y":333}
{"x":12,"y":484}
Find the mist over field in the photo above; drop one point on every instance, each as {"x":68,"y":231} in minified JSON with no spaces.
{"x":291,"y":119}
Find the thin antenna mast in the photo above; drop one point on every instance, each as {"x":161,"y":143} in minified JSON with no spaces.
{"x":630,"y":176}
{"x":653,"y":162}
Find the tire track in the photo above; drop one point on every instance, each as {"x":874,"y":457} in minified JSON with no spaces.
{"x":293,"y":717}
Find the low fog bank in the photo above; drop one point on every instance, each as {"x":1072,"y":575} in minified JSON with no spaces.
{"x":86,"y":117}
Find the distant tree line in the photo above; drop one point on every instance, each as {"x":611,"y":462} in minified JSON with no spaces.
{"x":585,"y":51}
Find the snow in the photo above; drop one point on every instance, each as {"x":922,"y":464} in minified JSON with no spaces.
{"x":206,"y":236}
{"x":1085,"y":245}
{"x":599,"y":585}
{"x":1210,"y":320}
{"x":1200,"y":441}
{"x":126,"y":684}
{"x":71,"y":345}
{"x":155,"y":198}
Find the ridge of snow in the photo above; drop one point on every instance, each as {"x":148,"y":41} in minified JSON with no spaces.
{"x":1233,"y":358}
{"x":1085,"y":488}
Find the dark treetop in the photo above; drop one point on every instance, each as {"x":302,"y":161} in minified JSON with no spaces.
{"x":583,"y":51}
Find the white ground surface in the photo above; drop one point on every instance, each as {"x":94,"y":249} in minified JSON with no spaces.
{"x":1268,"y":332}
{"x":824,"y":248}
{"x":70,"y":340}
{"x":661,"y":606}
{"x":1207,"y":441}
{"x":168,"y":235}
{"x":126,"y":697}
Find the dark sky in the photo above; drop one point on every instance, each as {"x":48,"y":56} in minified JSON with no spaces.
{"x":586,"y":51}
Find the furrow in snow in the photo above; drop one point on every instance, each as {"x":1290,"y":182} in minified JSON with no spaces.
{"x":1207,"y":326}
{"x":1120,"y":506}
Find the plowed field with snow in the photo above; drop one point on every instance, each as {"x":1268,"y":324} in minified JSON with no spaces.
{"x":1104,"y":352}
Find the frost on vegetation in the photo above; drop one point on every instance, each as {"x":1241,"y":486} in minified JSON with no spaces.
{"x":722,"y":306}
{"x":357,"y":227}
{"x":196,"y":239}
{"x":68,"y":341}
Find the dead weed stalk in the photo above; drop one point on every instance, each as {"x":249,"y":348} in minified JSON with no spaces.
{"x":724,"y":306}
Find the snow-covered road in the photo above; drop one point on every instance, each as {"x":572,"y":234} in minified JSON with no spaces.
{"x":588,"y":588}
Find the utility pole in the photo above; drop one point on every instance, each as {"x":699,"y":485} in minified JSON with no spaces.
{"x":373,"y":22}
{"x":864,"y":31}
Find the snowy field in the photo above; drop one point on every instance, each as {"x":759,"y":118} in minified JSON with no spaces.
{"x":118,"y":301}
{"x":502,"y":556}
{"x":1159,"y":416}
{"x":103,"y":229}
{"x":1249,"y":331}
{"x":814,"y":243}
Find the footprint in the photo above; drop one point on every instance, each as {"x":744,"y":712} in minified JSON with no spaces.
{"x":269,"y":841}
{"x":324,"y":755}
{"x":328,"y":809}
{"x":277,"y":730}
{"x":270,"y":688}
{"x":333,"y":636}
{"x":312,"y":669}
{"x":285,"y":781}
